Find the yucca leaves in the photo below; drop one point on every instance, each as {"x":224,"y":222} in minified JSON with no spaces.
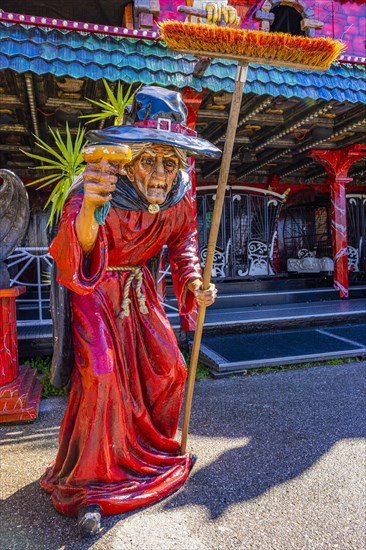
{"x":64,"y":158}
{"x":115,"y":107}
{"x":65,"y":161}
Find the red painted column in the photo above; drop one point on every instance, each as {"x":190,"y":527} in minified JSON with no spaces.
{"x":193,"y":100}
{"x":337,"y":164}
{"x":339,"y":234}
{"x":20,"y":390}
{"x":8,"y":334}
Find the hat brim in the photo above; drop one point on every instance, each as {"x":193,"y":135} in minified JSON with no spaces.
{"x":134,"y":134}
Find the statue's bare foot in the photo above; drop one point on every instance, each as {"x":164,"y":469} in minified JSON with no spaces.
{"x":89,"y":518}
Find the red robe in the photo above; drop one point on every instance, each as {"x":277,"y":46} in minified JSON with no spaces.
{"x":116,"y":443}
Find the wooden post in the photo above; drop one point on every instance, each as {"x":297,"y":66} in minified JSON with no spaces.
{"x":240,"y":79}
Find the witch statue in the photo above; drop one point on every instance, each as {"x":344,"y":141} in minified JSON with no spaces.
{"x":117,"y":450}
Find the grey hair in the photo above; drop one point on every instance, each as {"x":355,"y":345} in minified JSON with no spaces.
{"x":138,"y":148}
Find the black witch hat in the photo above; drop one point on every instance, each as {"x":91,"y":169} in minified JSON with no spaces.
{"x":157,"y":115}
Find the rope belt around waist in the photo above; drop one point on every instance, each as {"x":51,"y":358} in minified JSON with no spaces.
{"x":135,"y":274}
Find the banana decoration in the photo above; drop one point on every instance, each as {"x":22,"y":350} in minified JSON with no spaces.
{"x":215,"y":13}
{"x":230,"y":15}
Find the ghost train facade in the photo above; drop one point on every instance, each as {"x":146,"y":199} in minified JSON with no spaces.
{"x":294,"y":215}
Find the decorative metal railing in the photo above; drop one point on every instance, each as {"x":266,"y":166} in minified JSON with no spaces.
{"x":247,"y":235}
{"x":356,"y":232}
{"x":31,"y":266}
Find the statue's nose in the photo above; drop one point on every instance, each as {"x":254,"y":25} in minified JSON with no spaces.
{"x":159,"y":168}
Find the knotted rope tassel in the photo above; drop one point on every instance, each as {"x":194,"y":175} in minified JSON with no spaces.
{"x":135,"y":274}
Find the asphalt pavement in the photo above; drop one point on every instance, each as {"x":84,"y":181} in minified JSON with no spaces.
{"x":281,"y":465}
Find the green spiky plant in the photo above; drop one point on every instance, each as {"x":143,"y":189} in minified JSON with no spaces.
{"x":115,"y":107}
{"x":65,"y":161}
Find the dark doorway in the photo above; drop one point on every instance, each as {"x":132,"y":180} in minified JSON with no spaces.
{"x":305,"y":240}
{"x":287,"y":20}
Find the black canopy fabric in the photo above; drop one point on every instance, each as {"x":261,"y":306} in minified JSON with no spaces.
{"x":103,"y":12}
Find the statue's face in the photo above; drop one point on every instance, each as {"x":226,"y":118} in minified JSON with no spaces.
{"x":153,"y":172}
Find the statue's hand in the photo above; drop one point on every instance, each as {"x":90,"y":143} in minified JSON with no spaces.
{"x":203,"y":297}
{"x":99,"y":183}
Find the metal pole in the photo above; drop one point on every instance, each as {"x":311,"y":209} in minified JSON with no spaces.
{"x":240,"y":79}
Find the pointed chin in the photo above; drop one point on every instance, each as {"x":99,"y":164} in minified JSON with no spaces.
{"x":156,"y":195}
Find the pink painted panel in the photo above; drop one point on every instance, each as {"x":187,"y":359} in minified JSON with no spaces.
{"x":344,"y":21}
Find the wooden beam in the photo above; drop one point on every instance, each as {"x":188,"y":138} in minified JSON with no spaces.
{"x":10,"y":101}
{"x":15,"y":148}
{"x":55,"y":102}
{"x":239,"y":140}
{"x":267,"y":119}
{"x":13,"y":128}
{"x":212,"y":114}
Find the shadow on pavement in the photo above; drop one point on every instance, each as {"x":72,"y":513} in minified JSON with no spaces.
{"x":290,"y":419}
{"x":29,"y":522}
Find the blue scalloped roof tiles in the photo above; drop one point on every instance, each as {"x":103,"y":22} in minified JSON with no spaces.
{"x":94,"y":56}
{"x":62,"y":52}
{"x":341,"y":82}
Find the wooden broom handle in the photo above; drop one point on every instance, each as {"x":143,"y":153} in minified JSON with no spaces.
{"x":240,"y":79}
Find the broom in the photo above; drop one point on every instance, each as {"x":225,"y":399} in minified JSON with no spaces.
{"x":244,"y":46}
{"x":250,"y":46}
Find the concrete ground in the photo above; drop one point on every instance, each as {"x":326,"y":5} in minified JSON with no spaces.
{"x":281,"y":465}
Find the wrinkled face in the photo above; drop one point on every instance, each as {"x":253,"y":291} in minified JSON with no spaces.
{"x":153,"y":172}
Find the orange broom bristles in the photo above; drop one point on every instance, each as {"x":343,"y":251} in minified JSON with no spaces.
{"x":316,"y":52}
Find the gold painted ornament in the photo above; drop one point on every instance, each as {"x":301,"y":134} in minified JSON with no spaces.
{"x":153,"y":208}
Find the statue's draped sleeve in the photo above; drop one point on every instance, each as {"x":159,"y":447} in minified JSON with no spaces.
{"x":183,"y":257}
{"x":79,"y":272}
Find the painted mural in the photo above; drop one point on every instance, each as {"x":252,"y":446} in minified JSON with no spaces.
{"x":339,"y":19}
